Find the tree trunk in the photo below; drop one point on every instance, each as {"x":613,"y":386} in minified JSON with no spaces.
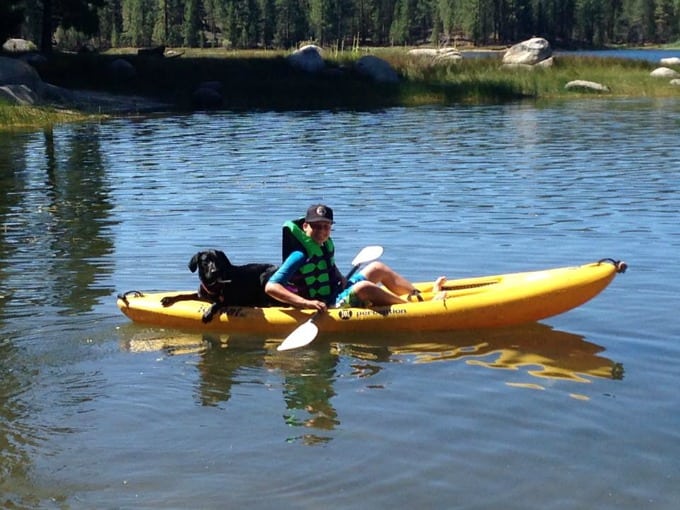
{"x":46,"y":33}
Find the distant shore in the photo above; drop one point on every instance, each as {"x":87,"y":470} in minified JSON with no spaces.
{"x":264,"y":80}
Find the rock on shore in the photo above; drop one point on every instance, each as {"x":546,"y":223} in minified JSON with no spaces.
{"x":21,"y":84}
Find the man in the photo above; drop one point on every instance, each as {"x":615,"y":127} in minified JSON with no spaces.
{"x":309,"y":278}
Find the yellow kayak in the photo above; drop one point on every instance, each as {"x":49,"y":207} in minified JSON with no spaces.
{"x":470,"y":303}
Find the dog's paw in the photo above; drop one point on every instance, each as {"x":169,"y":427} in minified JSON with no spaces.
{"x":207,"y":317}
{"x":167,"y":301}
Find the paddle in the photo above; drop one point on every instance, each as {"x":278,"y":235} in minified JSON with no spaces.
{"x":306,"y":333}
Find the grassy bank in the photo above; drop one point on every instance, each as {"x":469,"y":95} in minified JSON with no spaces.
{"x":264,"y":80}
{"x":484,"y":80}
{"x":19,"y":117}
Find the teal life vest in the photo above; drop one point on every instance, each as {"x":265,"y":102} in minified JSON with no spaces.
{"x":316,"y":279}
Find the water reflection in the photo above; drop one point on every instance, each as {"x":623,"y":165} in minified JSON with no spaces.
{"x":307,"y":376}
{"x":308,"y":390}
{"x":227,"y":361}
{"x":537,"y":348}
{"x":55,"y":206}
{"x":14,"y":437}
{"x":54,"y":215}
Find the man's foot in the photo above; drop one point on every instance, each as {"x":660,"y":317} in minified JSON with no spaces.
{"x":439,"y":294}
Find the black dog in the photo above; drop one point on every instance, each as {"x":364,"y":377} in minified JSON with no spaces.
{"x":224,"y":284}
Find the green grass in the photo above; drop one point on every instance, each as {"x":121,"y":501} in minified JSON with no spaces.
{"x":486,"y":80}
{"x":18,"y":117}
{"x":264,"y":80}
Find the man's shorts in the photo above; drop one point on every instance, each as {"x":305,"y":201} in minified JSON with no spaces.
{"x":347,"y":298}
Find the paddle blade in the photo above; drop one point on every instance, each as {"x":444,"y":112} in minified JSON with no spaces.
{"x":303,"y":335}
{"x":367,"y":254}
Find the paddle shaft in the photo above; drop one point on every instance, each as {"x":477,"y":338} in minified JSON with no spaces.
{"x":352,"y":271}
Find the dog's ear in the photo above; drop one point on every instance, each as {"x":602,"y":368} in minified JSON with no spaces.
{"x":222,"y":259}
{"x":193,"y":263}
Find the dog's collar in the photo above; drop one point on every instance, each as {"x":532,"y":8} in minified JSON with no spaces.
{"x":208,"y":291}
{"x":217,"y":293}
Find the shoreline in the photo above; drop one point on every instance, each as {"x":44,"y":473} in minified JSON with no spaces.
{"x":81,"y":88}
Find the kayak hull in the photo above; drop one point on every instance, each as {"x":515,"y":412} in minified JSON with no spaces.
{"x":470,"y":303}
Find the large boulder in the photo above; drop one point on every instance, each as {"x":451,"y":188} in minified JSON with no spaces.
{"x":122,"y":71}
{"x":529,"y":52}
{"x":18,"y":94}
{"x":514,"y":67}
{"x":437,"y":55}
{"x":377,"y":69}
{"x":17,"y":72}
{"x":59,"y":95}
{"x":208,"y":95}
{"x":664,"y":72}
{"x":308,"y":59}
{"x":424,"y":52}
{"x":670,"y":61}
{"x":19,"y":46}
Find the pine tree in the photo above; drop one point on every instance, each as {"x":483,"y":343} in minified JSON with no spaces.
{"x":399,"y":31}
{"x":192,"y":24}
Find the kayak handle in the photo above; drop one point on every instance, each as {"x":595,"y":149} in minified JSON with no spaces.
{"x":124,"y":295}
{"x":620,"y":265}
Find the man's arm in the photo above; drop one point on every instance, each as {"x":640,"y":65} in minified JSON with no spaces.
{"x":276,"y":285}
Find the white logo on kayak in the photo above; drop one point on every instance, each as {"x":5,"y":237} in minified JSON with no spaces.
{"x":345,"y":315}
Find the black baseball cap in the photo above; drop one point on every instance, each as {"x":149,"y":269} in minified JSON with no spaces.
{"x":319,"y":212}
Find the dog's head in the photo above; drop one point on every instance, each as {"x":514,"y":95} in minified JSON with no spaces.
{"x":212,"y":266}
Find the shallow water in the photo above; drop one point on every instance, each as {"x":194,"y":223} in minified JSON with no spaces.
{"x":577,"y":411}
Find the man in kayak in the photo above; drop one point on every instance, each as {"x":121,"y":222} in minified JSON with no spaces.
{"x":309,"y":278}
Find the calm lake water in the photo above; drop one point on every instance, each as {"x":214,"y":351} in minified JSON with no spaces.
{"x":651,"y":55}
{"x":578,"y":411}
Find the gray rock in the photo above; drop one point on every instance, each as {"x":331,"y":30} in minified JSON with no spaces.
{"x":437,"y":55}
{"x":664,"y":72}
{"x":585,"y":85}
{"x":21,"y":84}
{"x":19,"y":94}
{"x":58,"y":95}
{"x":35,"y":59}
{"x":18,"y":46}
{"x":377,"y":69}
{"x":424,"y":52}
{"x":670,"y":61}
{"x":206,"y":97}
{"x":521,"y":67}
{"x":529,"y":52}
{"x":17,"y":72}
{"x":122,"y":70}
{"x":676,"y":82}
{"x":308,"y":59}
